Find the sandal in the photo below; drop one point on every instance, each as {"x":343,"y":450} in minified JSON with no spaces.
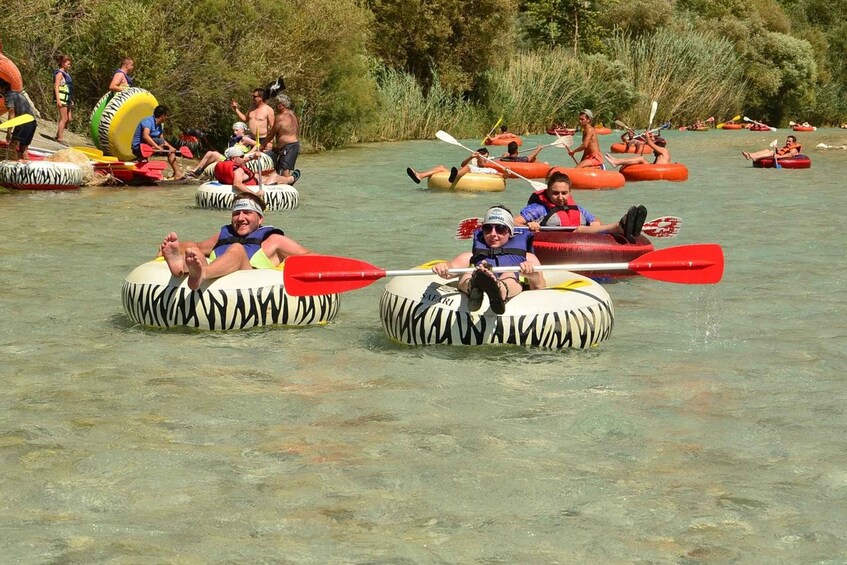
{"x":640,"y":218}
{"x":412,"y":175}
{"x":475,"y":291}
{"x":491,"y":286}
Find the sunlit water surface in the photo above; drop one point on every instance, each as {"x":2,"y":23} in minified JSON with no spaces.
{"x":710,"y":427}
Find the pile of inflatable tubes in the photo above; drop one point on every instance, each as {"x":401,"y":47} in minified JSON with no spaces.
{"x":10,"y":73}
{"x":263,"y":164}
{"x":277,"y":197}
{"x":534,"y":170}
{"x":574,"y":311}
{"x":795,"y":162}
{"x":115,"y":119}
{"x":504,"y":139}
{"x":40,"y":175}
{"x":676,"y":172}
{"x":622,"y":148}
{"x":471,"y":182}
{"x":591,"y":178}
{"x":557,"y":247}
{"x":244,"y":299}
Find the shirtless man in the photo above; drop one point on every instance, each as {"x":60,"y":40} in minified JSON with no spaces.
{"x":121,"y":79}
{"x":242,"y":245}
{"x":282,"y":145}
{"x":259,"y":118}
{"x":590,"y":147}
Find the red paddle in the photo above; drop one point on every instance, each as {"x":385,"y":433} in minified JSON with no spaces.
{"x":664,"y":227}
{"x":147,"y":151}
{"x":308,"y":275}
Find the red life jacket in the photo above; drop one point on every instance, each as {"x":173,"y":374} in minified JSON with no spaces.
{"x":568,"y":215}
{"x":225,"y":173}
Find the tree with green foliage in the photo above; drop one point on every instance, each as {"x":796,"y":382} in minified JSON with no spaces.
{"x":454,"y":39}
{"x":562,"y":23}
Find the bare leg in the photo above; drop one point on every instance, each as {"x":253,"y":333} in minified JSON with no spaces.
{"x":172,"y":254}
{"x":172,"y":162}
{"x":235,"y":259}
{"x":209,"y":158}
{"x":629,"y":161}
{"x":429,"y":172}
{"x":64,"y":118}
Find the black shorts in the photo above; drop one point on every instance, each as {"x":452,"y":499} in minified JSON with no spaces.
{"x":285,"y":158}
{"x":23,"y":134}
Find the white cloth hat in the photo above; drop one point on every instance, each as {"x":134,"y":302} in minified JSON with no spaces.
{"x":500,"y":216}
{"x":588,"y":113}
{"x":234,"y":151}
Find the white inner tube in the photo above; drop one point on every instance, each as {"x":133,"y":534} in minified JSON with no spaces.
{"x":423,"y":310}
{"x":277,"y":197}
{"x":240,"y":300}
{"x":40,"y":175}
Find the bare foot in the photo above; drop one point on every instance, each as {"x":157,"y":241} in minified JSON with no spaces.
{"x":746,"y":155}
{"x":196,"y":264}
{"x":173,"y":257}
{"x":612,"y":160}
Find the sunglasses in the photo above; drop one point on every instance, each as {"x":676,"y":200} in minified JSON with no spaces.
{"x":499,"y":228}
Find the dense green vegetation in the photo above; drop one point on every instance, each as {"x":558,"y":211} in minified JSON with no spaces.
{"x":361,"y":70}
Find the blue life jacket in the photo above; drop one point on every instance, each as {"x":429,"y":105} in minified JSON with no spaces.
{"x":128,"y":78}
{"x":252,"y":242}
{"x":510,"y":255}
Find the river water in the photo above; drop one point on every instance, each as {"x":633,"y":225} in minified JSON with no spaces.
{"x":708,"y":428}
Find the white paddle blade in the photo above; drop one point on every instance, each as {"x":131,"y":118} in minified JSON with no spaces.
{"x":653,"y":108}
{"x":774,"y":143}
{"x":444,"y":136}
{"x":563,"y":141}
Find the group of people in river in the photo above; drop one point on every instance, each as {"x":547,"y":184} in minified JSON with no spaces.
{"x":504,"y":240}
{"x":274,"y":131}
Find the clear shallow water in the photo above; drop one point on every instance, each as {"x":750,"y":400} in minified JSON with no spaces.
{"x":709,"y":428}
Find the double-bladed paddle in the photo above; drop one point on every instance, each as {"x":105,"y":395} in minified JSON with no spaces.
{"x":492,"y":130}
{"x":147,"y":151}
{"x":653,"y":107}
{"x":309,"y":275}
{"x":664,"y":227}
{"x":746,"y":119}
{"x":722,"y":124}
{"x":446,"y":137}
{"x":17,"y":121}
{"x":774,"y":144}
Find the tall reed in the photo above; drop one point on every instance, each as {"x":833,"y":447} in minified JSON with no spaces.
{"x":692,"y":75}
{"x":537,"y":89}
{"x":406,"y":112}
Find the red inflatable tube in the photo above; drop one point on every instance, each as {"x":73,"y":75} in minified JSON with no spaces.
{"x":676,"y":172}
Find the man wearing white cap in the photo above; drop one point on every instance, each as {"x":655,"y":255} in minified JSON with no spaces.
{"x":495,"y":244}
{"x":590,"y":146}
{"x":234,"y":172}
{"x":244,"y":244}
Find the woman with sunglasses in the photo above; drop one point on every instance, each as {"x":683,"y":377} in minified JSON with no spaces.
{"x":495,"y":244}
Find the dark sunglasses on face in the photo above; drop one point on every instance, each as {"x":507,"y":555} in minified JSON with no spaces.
{"x":499,"y":228}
